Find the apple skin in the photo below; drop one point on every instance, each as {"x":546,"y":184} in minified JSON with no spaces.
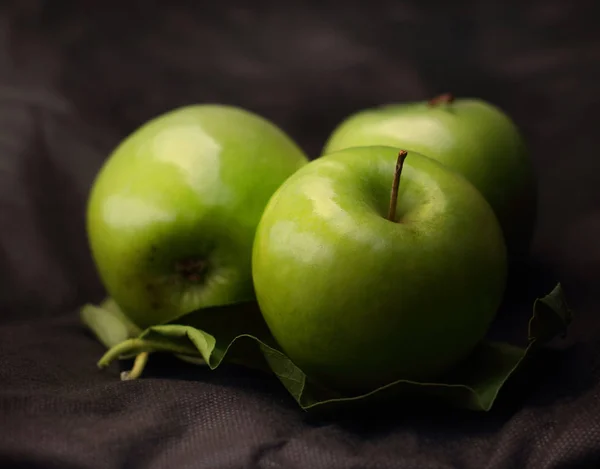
{"x":172,"y":213}
{"x":471,"y":136}
{"x":358,"y":301}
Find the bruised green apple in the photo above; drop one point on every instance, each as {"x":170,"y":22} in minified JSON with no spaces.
{"x":361,"y":288}
{"x":172,"y":213}
{"x":472,"y":137}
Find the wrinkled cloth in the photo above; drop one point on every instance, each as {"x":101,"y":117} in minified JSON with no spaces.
{"x":75,"y":79}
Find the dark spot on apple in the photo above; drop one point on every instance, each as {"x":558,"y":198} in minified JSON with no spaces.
{"x":154,"y":305}
{"x":192,"y":269}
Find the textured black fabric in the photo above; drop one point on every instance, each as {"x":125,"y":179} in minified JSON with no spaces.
{"x":75,"y":79}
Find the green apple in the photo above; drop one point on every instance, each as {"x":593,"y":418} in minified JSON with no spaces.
{"x":172,"y":213}
{"x":358,"y":297}
{"x":472,"y":137}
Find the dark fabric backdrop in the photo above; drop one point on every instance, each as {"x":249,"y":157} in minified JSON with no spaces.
{"x":76,"y":78}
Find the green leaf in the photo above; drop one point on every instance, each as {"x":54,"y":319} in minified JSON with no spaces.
{"x":108,"y":323}
{"x":205,"y":336}
{"x":237,"y":333}
{"x":551,"y":316}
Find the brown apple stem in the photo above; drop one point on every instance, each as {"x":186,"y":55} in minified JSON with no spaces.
{"x":446,"y":98}
{"x":396,"y":184}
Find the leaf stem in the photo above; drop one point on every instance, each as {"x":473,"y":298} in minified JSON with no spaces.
{"x":115,"y":352}
{"x":398,"y":171}
{"x":138,"y":367}
{"x":139,"y":346}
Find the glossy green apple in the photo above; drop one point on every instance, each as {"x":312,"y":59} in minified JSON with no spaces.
{"x":172,"y":213}
{"x":472,"y":137}
{"x":357,"y":300}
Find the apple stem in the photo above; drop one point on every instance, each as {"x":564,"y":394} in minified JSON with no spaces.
{"x":138,"y":367}
{"x":394,"y":198}
{"x":445,"y":98}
